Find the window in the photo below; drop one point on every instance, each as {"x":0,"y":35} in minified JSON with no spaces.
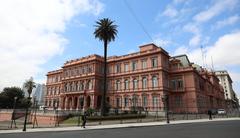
{"x":144,"y":64}
{"x":135,"y":101}
{"x":176,"y":84}
{"x":134,"y":65}
{"x":118,"y":85}
{"x":144,"y":82}
{"x":125,"y":102}
{"x":178,"y":101}
{"x":126,"y":84}
{"x":118,"y":68}
{"x":126,"y":67}
{"x":154,"y":81}
{"x":145,"y":102}
{"x":89,"y":85}
{"x":154,"y":62}
{"x":155,"y":101}
{"x":118,"y":102}
{"x":135,"y":84}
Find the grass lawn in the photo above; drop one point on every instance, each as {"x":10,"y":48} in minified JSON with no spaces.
{"x":72,"y":120}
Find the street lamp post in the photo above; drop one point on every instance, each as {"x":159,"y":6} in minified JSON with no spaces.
{"x":13,"y":113}
{"x":35,"y":106}
{"x":26,"y":113}
{"x":79,"y":108}
{"x":56,"y":111}
{"x":166,"y":101}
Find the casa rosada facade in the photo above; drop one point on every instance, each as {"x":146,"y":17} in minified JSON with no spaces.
{"x":142,"y":79}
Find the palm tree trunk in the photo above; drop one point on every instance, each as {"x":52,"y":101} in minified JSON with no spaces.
{"x":26,"y":113}
{"x":104,"y":80}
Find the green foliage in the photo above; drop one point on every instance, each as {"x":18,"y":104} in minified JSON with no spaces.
{"x":29,"y":85}
{"x":105,"y":30}
{"x":7,"y":98}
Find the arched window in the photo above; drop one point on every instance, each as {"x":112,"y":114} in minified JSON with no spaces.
{"x":118,"y":85}
{"x":135,"y":84}
{"x":144,"y":82}
{"x":154,"y":82}
{"x":89,"y":84}
{"x":126,"y":84}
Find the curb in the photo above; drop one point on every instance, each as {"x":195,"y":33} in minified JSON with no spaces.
{"x":114,"y":126}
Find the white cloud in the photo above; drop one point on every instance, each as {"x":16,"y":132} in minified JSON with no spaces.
{"x":170,"y":11}
{"x":195,"y":40}
{"x":225,"y":51}
{"x":192,"y":28}
{"x":31,"y":33}
{"x":229,"y":21}
{"x":181,"y":50}
{"x":161,"y":42}
{"x":217,"y":8}
{"x":179,"y":1}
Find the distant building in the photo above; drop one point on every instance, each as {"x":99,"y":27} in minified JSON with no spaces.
{"x":37,"y":93}
{"x":226,"y":82}
{"x":141,"y":79}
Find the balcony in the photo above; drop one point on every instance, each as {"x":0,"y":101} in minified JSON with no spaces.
{"x":177,"y":89}
{"x":136,"y":71}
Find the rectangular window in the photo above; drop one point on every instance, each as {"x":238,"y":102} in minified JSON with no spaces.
{"x":134,"y":65}
{"x":126,"y":67}
{"x":144,"y":101}
{"x":118,"y":68}
{"x":155,"y":101}
{"x":154,"y":62}
{"x":118,"y":102}
{"x":178,"y":101}
{"x":176,"y":84}
{"x":144,"y":64}
{"x":125,"y":102}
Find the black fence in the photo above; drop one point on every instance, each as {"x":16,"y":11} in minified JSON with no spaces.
{"x":10,"y":119}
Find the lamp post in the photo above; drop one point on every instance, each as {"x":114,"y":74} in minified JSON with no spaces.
{"x":165,"y":98}
{"x":13,"y":114}
{"x":35,"y":106}
{"x":79,"y":108}
{"x":56,"y":112}
{"x":26,"y":113}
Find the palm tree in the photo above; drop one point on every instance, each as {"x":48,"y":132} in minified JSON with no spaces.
{"x":105,"y":31}
{"x":29,"y":85}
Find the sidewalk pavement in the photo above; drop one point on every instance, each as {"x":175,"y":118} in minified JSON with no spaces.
{"x":113,"y":126}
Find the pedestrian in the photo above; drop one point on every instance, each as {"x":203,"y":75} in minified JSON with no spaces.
{"x":84,"y":119}
{"x":210,"y":114}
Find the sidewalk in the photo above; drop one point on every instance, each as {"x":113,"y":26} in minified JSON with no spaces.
{"x":113,"y":126}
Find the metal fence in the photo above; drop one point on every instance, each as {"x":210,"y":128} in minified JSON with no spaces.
{"x":10,"y":119}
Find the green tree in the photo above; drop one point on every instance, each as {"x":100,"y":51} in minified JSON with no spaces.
{"x":105,"y":31}
{"x":29,"y":85}
{"x":7,"y":97}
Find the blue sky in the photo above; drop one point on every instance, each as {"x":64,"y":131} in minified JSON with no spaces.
{"x":178,"y":26}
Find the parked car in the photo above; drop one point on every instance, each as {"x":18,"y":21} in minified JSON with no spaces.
{"x":221,"y":111}
{"x":214,"y":111}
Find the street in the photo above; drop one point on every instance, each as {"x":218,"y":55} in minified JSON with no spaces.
{"x":219,"y":129}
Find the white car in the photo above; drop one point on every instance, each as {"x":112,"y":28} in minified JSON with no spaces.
{"x":221,"y":111}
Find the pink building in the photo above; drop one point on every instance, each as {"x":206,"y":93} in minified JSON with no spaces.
{"x":140,"y":80}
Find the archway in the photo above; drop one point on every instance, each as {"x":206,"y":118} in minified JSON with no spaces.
{"x":63,"y":103}
{"x":81,"y":102}
{"x":99,"y":100}
{"x":69,"y":103}
{"x":88,"y":101}
{"x":75,"y":103}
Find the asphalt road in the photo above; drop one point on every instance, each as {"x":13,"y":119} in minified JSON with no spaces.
{"x":220,"y":129}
